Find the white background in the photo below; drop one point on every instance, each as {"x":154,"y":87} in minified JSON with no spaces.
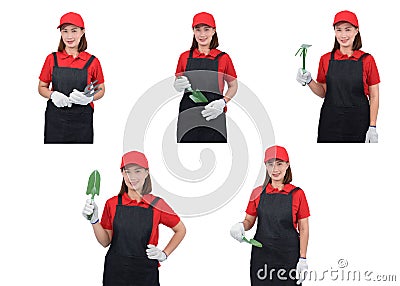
{"x":351,"y":189}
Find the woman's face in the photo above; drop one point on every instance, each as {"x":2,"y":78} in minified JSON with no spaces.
{"x":345,"y":34}
{"x":134,"y":177}
{"x":203,"y":35}
{"x":71,"y":35}
{"x":277,"y":169}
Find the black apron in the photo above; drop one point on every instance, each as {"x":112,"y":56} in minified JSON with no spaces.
{"x":69,"y":124}
{"x":126,"y":262}
{"x":192,"y":126}
{"x":345,"y":112}
{"x":280,"y":240}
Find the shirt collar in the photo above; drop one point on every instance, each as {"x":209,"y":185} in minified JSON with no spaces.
{"x":146,"y":200}
{"x":82,"y":55}
{"x":213,"y":53}
{"x":286,"y":189}
{"x":356,"y":55}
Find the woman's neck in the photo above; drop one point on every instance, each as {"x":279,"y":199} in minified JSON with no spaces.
{"x":134,"y":195}
{"x":73,"y":52}
{"x":204,"y":50}
{"x":277,"y":185}
{"x":347,"y":51}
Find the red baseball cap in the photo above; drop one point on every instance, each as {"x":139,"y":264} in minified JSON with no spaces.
{"x":346,"y":16}
{"x":203,"y":18}
{"x":72,"y":18}
{"x":276,"y":152}
{"x":134,"y":157}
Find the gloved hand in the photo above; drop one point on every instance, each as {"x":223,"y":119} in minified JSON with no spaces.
{"x":213,"y":109}
{"x":303,"y":76}
{"x":237,"y":231}
{"x":181,"y":83}
{"x":301,"y":272}
{"x":60,"y":99}
{"x":78,"y":97}
{"x":155,"y":253}
{"x":372,"y":135}
{"x":91,"y":208}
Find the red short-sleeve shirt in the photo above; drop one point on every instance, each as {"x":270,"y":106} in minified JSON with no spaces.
{"x":370,"y":70}
{"x":162,"y":213}
{"x":64,"y":60}
{"x":300,"y":208}
{"x":225,"y":66}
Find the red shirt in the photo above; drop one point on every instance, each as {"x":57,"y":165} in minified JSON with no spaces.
{"x":299,"y":202}
{"x":226,"y":69}
{"x":370,"y":70}
{"x":162,"y":213}
{"x":64,"y":60}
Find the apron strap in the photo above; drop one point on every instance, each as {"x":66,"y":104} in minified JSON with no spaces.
{"x":154,"y":202}
{"x":219,"y":55}
{"x":363,"y":56}
{"x":55,"y":59}
{"x":119,"y":200}
{"x":332,"y":56}
{"x":89,"y":62}
{"x":295,"y":189}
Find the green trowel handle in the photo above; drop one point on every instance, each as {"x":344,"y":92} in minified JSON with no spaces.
{"x":304,"y":71}
{"x":252,"y":242}
{"x":89,"y":217}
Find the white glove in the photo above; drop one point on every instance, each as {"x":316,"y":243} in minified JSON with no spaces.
{"x":78,"y":97}
{"x":372,"y":135}
{"x":181,"y":83}
{"x":301,"y":270}
{"x":303,"y":76}
{"x":60,"y":99}
{"x":213,"y":109}
{"x":91,"y":208}
{"x":155,"y":253}
{"x":237,"y":231}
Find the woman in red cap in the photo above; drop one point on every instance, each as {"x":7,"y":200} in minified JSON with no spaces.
{"x":129,"y":224}
{"x":205,"y":68}
{"x":69,"y":112}
{"x":282,"y":213}
{"x":348,"y":80}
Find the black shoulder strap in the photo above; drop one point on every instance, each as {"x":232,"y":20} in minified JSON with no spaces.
{"x":89,"y":62}
{"x":55,"y":59}
{"x":264,"y":191}
{"x":154,"y":202}
{"x":219,"y":55}
{"x":295,"y":189}
{"x":363,"y":56}
{"x":332,"y":56}
{"x":119,"y":200}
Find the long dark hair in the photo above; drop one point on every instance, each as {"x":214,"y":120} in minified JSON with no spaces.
{"x":357,"y":44}
{"x":213,"y":44}
{"x":286,"y":179}
{"x":81,"y":47}
{"x":146,"y":186}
